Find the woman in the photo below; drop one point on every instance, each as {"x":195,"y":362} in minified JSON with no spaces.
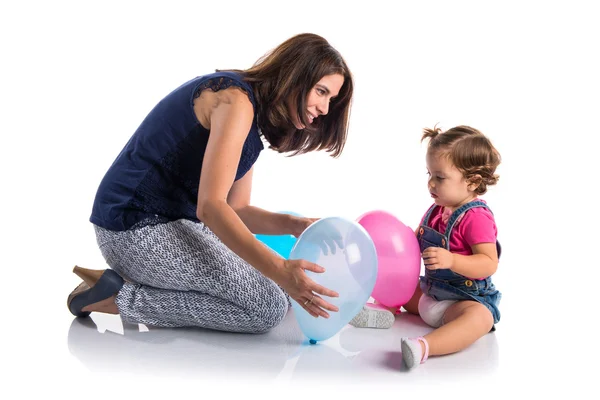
{"x":172,"y":215}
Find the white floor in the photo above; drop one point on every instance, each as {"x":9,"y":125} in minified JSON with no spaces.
{"x":353,"y":360}
{"x":98,"y":357}
{"x":105,"y":346}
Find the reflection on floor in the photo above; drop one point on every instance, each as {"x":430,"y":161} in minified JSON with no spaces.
{"x":104,"y":344}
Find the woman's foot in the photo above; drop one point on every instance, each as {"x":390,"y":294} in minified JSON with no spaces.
{"x":97,"y":292}
{"x":107,"y":306}
{"x":415,"y":351}
{"x":81,"y":288}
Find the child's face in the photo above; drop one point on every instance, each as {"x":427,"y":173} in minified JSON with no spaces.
{"x":446,"y":183}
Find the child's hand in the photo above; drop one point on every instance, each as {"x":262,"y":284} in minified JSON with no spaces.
{"x":437,"y":258}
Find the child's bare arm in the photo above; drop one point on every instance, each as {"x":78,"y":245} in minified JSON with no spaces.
{"x":483,"y":262}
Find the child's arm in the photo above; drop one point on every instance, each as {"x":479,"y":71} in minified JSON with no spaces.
{"x":481,"y":264}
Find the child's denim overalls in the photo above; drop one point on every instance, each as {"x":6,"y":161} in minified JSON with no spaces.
{"x":444,"y":284}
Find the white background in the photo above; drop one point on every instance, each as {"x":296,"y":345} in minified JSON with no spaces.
{"x":78,"y":77}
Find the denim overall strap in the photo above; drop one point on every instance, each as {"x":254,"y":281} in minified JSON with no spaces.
{"x":428,"y":214}
{"x":460,"y":211}
{"x":463,"y":209}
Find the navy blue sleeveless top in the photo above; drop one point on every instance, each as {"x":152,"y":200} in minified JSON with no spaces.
{"x":158,"y":171}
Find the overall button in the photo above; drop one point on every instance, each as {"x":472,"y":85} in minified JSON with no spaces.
{"x":421,"y":230}
{"x":468,"y":283}
{"x":444,"y":242}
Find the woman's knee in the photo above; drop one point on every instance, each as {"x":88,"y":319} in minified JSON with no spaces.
{"x":271,"y":315}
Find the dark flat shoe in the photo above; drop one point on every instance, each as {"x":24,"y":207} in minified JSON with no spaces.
{"x":106,"y":286}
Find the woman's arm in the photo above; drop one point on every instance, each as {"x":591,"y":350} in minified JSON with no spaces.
{"x":228,"y":114}
{"x":261,"y":221}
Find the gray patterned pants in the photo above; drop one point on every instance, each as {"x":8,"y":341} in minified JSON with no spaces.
{"x":180,"y":274}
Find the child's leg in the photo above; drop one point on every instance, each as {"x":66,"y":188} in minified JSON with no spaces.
{"x":373,"y":316}
{"x":464,"y":323}
{"x":385,"y":320}
{"x":412,"y":306}
{"x":393,"y":310}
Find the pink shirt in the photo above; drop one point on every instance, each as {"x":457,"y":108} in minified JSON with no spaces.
{"x":476,"y":226}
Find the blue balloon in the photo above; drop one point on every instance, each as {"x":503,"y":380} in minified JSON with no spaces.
{"x":347,"y":252}
{"x":281,"y":244}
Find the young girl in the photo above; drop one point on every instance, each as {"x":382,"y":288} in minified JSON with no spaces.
{"x":457,"y":237}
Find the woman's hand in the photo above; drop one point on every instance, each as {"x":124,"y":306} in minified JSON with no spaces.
{"x":300,"y":225}
{"x":328,"y":240}
{"x":292,"y":278}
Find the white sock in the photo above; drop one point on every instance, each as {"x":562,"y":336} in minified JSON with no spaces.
{"x":373,"y":316}
{"x":412,"y":354}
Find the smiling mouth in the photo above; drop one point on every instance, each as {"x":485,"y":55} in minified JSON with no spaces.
{"x":311,"y":118}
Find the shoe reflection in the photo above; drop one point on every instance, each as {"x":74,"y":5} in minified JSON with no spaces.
{"x":103,"y":343}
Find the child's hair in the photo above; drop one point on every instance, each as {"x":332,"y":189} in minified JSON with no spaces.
{"x":469,"y":150}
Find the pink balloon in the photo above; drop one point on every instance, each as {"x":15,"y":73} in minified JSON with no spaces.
{"x":398,"y":256}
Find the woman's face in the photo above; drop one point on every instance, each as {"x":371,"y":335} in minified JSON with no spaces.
{"x":318,"y":99}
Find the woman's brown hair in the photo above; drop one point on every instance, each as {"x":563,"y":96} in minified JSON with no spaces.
{"x":469,"y":150}
{"x":287,"y":74}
